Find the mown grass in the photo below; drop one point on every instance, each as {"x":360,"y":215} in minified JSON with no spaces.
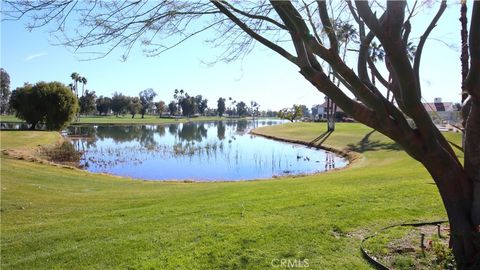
{"x":57,"y":218}
{"x":27,"y":140}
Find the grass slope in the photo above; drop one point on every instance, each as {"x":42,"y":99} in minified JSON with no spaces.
{"x":56,"y":218}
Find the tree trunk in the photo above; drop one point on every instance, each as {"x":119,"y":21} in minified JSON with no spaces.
{"x":472,"y":157}
{"x":373,"y":77}
{"x":472,"y":128}
{"x":456,"y":190}
{"x":32,"y":127}
{"x":464,"y":56}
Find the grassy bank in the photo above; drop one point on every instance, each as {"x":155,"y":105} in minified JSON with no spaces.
{"x":57,"y":218}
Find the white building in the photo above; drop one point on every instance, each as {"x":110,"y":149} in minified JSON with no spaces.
{"x":442,"y":112}
{"x":319,"y":111}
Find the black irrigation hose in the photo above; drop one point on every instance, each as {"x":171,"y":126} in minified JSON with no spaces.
{"x":372,"y":260}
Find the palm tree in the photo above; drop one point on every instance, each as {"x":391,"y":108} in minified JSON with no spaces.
{"x":178,"y":96}
{"x":376,"y":54}
{"x":254,"y":105}
{"x":345,"y":33}
{"x":83,"y":81}
{"x":232,"y":103}
{"x":75,"y":77}
{"x":411,"y":50}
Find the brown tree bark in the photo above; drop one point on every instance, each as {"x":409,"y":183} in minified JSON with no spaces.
{"x":455,"y":188}
{"x":464,"y":55}
{"x":472,"y":127}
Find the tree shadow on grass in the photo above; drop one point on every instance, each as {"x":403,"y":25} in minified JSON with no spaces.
{"x":365,"y":144}
{"x":320,"y":139}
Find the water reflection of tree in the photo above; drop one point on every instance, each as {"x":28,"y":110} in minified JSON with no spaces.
{"x":146,"y":138}
{"x":230,"y":123}
{"x":242,"y":125}
{"x":220,"y":130}
{"x":202,"y":130}
{"x":119,"y":134}
{"x":83,"y":131}
{"x":83,"y":137}
{"x":161,"y":130}
{"x":172,"y":129}
{"x":192,"y":132}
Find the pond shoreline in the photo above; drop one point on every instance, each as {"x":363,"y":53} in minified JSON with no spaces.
{"x":153,"y":152}
{"x":352,"y":156}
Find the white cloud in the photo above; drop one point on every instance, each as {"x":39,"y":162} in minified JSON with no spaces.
{"x":33,"y":56}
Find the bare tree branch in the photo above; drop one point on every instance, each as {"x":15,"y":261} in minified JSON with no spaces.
{"x":254,"y":35}
{"x":473,"y":80}
{"x":423,"y":39}
{"x":312,"y":24}
{"x":327,"y":26}
{"x":254,"y":16}
{"x":377,"y":74}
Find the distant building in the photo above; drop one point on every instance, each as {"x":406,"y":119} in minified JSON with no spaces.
{"x":442,"y":112}
{"x":319,"y":111}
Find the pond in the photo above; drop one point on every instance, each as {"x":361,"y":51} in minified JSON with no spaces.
{"x":18,"y":126}
{"x":198,"y":151}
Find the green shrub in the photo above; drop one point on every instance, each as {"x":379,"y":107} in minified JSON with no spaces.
{"x":443,"y":255}
{"x":51,"y":103}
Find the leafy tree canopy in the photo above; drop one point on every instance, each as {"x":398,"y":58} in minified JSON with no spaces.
{"x":134,"y":105}
{"x":87,"y":102}
{"x":242,"y":109}
{"x":291,"y":114}
{"x":161,"y":107}
{"x":119,"y":104}
{"x":103,"y":105}
{"x":172,"y":107}
{"x":51,"y":103}
{"x":146,"y":100}
{"x":221,"y":106}
{"x":4,"y":90}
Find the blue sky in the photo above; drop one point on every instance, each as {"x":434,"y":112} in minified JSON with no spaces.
{"x":262,"y":76}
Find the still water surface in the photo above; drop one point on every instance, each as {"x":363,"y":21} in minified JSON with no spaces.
{"x":200,"y":151}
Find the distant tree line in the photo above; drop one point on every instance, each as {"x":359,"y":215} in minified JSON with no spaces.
{"x":23,"y":102}
{"x":182,"y":104}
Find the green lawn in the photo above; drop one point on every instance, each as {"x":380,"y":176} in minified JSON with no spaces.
{"x":57,"y":218}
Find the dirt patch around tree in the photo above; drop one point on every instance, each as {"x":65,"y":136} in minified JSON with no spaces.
{"x":412,"y":247}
